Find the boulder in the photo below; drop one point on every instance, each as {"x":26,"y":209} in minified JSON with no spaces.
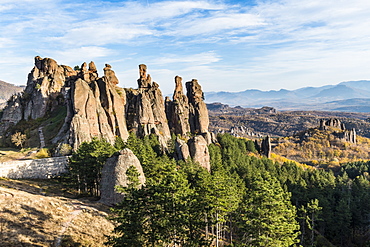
{"x":182,"y":149}
{"x":199,"y":152}
{"x":114,"y":174}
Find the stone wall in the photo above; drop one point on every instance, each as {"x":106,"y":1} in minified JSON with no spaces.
{"x":34,"y":169}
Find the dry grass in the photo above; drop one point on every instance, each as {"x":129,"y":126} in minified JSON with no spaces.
{"x":34,"y":213}
{"x":9,"y":154}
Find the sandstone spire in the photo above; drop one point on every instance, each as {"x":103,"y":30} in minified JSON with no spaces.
{"x":178,"y":110}
{"x":110,"y":75}
{"x":145,"y":109}
{"x":199,"y":120}
{"x":144,"y":80}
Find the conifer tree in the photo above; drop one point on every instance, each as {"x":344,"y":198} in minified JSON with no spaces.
{"x":267,"y":215}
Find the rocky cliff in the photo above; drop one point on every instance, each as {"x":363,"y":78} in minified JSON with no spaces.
{"x":96,"y":107}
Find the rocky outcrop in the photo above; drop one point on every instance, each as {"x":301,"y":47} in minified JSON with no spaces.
{"x":199,"y":120}
{"x":145,"y":109}
{"x":188,"y":118}
{"x":342,"y":134}
{"x":266,"y":147}
{"x":178,"y":111}
{"x":114,"y":174}
{"x":96,"y":107}
{"x":198,"y":148}
{"x":332,"y":122}
{"x":110,"y":75}
{"x":182,"y":149}
{"x":45,"y":86}
{"x":12,"y":113}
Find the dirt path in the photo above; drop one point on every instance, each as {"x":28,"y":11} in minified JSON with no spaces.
{"x":77,"y":210}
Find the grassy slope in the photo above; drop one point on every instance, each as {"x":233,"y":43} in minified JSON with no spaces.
{"x":37,"y":213}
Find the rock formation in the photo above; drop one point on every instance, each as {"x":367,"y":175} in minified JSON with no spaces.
{"x":178,"y":111}
{"x":145,"y":109}
{"x":96,"y":107}
{"x":114,"y":174}
{"x":198,"y":118}
{"x":199,"y":151}
{"x":332,"y":122}
{"x":344,"y":134}
{"x":188,"y":118}
{"x":182,"y":149}
{"x":266,"y":147}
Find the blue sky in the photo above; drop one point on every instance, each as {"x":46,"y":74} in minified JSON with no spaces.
{"x":226,"y":45}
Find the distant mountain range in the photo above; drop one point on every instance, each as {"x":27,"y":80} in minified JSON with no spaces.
{"x":7,"y":90}
{"x":349,"y":96}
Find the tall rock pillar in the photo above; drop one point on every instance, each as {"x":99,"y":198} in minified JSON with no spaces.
{"x":198,"y":118}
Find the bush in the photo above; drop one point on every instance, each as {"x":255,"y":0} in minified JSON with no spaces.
{"x":43,"y":153}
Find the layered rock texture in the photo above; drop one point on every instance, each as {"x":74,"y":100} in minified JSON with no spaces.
{"x":96,"y":107}
{"x":114,"y":174}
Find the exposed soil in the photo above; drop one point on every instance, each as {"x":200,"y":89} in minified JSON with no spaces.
{"x":38,"y":213}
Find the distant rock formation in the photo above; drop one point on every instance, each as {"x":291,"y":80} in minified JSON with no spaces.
{"x":114,"y":174}
{"x":7,"y":90}
{"x":96,"y":107}
{"x":265,"y":148}
{"x":332,"y":122}
{"x":343,"y":134}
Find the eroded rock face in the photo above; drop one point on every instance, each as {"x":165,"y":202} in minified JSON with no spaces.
{"x":144,"y":80}
{"x":114,"y":174}
{"x":182,"y":149}
{"x":266,"y":147}
{"x":97,"y":107}
{"x":199,"y":120}
{"x":145,"y":109}
{"x":45,"y":84}
{"x":110,"y":75}
{"x":178,"y":111}
{"x":12,"y":113}
{"x":198,"y":148}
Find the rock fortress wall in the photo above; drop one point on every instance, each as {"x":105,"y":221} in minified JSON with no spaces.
{"x":34,"y":169}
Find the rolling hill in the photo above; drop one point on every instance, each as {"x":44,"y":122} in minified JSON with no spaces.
{"x":345,"y":96}
{"x":7,"y":90}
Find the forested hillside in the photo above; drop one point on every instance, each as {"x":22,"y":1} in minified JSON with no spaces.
{"x":246,"y":200}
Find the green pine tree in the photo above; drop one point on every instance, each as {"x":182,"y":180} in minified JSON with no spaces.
{"x":267,"y":215}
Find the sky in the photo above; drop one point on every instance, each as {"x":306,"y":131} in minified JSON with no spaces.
{"x":227,"y":45}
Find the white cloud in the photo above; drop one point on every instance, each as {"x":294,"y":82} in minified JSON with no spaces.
{"x":287,"y":42}
{"x":195,"y":59}
{"x":78,"y":55}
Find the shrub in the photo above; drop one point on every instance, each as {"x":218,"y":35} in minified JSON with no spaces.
{"x":43,"y":153}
